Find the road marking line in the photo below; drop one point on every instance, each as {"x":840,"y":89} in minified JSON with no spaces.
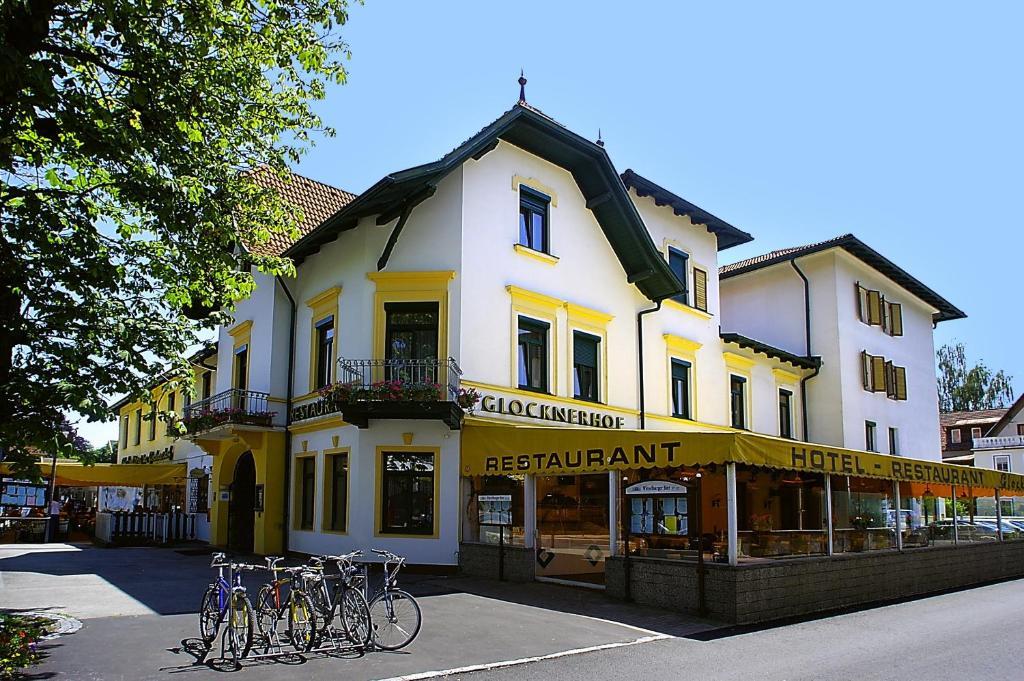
{"x":525,"y":660}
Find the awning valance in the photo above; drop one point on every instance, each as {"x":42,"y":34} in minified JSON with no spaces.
{"x":75,"y":474}
{"x":490,"y":449}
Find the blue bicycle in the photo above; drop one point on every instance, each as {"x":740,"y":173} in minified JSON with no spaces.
{"x":226,"y":603}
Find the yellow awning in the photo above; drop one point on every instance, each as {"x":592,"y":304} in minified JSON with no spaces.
{"x":75,"y":474}
{"x":491,"y":449}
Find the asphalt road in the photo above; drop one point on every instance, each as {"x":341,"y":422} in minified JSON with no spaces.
{"x":963,"y":636}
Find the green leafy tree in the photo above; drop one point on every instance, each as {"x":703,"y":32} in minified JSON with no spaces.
{"x":130,"y":134}
{"x":964,"y":388}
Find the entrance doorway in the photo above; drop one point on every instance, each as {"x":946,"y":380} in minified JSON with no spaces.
{"x":242,"y":505}
{"x":573,"y":528}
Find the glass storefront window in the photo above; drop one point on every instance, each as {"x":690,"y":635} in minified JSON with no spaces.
{"x":780,"y":513}
{"x":573,"y":527}
{"x":496,"y":484}
{"x":863,"y":514}
{"x":926,"y":512}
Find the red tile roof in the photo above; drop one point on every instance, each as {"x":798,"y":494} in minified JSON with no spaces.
{"x":314,"y":200}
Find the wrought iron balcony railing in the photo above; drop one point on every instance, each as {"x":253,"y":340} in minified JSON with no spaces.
{"x":231,"y":406}
{"x":414,"y":379}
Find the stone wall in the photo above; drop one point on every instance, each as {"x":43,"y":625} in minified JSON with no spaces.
{"x":481,"y":560}
{"x":761,"y":592}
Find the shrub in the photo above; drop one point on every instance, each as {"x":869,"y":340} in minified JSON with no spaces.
{"x":19,"y":637}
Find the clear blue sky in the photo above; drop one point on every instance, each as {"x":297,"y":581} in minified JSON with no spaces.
{"x":899,"y":122}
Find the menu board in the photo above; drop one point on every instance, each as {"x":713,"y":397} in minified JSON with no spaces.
{"x":659,"y":515}
{"x":494,"y":509}
{"x":22,"y":493}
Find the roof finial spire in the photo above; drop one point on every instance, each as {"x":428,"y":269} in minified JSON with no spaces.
{"x":600,"y":142}
{"x":522,"y":88}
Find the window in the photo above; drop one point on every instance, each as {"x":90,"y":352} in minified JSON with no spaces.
{"x":584,"y":366}
{"x":873,"y":372}
{"x":407,"y":493}
{"x":869,"y":305}
{"x":681,"y":389}
{"x":170,"y":402}
{"x":893,"y":319}
{"x":124,"y":431}
{"x":207,"y":385}
{"x":1001,"y":463}
{"x":138,"y":426}
{"x":737,"y":401}
{"x":241,"y":366}
{"x":306,"y":481}
{"x":975,"y":433}
{"x":324,"y":352}
{"x":785,"y":413}
{"x":336,"y":493}
{"x":533,"y":219}
{"x":954,"y":436}
{"x":411,"y":333}
{"x":533,"y":355}
{"x":152,"y":422}
{"x":1020,"y":429}
{"x":895,"y":381}
{"x":894,"y":441}
{"x":677,"y":261}
{"x":870,"y":442}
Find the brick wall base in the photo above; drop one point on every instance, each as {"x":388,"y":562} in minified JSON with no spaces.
{"x":481,"y":560}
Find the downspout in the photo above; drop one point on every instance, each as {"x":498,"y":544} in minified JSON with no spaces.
{"x":640,"y":356}
{"x":288,"y":416}
{"x":807,"y":344}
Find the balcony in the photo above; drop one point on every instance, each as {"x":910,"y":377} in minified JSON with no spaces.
{"x":231,"y":407}
{"x":400,"y":389}
{"x":1005,"y":442}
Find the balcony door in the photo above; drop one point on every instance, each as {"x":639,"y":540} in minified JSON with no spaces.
{"x":410,"y":342}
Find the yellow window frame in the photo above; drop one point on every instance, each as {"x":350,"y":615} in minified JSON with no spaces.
{"x":323,"y":305}
{"x":297,"y":490}
{"x":328,"y":489}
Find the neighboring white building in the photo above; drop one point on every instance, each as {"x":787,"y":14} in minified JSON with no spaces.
{"x":1002,"y":446}
{"x":869,"y":321}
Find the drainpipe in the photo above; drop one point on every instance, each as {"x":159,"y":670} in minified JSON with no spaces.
{"x":807,"y":343}
{"x":288,"y":416}
{"x":640,"y":356}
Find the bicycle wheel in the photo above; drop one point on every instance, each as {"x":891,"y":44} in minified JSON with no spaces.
{"x":240,"y":618}
{"x":209,"y":613}
{"x":301,"y":622}
{"x":395,"y":619}
{"x":355,"y":617}
{"x":267,"y":615}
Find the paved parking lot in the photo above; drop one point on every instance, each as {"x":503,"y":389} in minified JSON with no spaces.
{"x":138,"y":605}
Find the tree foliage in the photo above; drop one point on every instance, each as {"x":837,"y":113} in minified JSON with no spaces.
{"x":963,"y":388}
{"x":127,"y":132}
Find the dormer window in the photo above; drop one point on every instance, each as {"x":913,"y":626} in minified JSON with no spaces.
{"x":533,"y":219}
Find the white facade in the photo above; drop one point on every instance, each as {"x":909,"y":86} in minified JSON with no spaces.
{"x":768,"y":304}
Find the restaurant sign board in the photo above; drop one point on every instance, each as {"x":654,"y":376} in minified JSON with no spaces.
{"x":494,"y":509}
{"x":650,"y":488}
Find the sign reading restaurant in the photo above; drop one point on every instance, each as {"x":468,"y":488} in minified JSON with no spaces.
{"x":549,"y":412}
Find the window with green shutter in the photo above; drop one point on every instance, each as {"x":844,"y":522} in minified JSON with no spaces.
{"x":585,"y":366}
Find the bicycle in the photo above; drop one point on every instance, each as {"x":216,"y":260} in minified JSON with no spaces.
{"x":395,"y":615}
{"x":226,"y":599}
{"x":344,"y":600}
{"x":271,"y":608}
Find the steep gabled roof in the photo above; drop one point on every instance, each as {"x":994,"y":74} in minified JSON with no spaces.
{"x":757,"y":346}
{"x":1010,"y":415}
{"x":863,"y":252}
{"x":536,"y":133}
{"x":316,"y":200}
{"x":728,"y":236}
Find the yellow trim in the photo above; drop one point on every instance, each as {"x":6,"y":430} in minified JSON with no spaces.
{"x":328,"y":487}
{"x":738,"y":362}
{"x":544,"y":308}
{"x":680,"y":344}
{"x":548,"y":398}
{"x":748,"y":396}
{"x":692,"y":311}
{"x":379,"y":498}
{"x":242,"y":335}
{"x":785,"y":377}
{"x":410,"y":287}
{"x":596,"y":324}
{"x":332,"y":421}
{"x":536,"y":185}
{"x":297,"y":491}
{"x":241,"y":328}
{"x":539,"y":256}
{"x":322,"y":306}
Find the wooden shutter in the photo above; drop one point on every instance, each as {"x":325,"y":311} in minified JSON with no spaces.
{"x":895,"y":319}
{"x":700,"y":289}
{"x":901,"y":383}
{"x":861,"y":306}
{"x":890,"y":380}
{"x":865,"y":369}
{"x":877,"y":374}
{"x":874,"y":308}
